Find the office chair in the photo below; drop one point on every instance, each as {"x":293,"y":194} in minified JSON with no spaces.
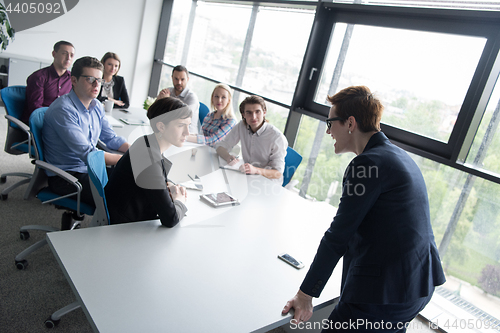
{"x":96,"y":168}
{"x":292,"y":162}
{"x":18,"y":139}
{"x":204,"y":110}
{"x":75,"y":211}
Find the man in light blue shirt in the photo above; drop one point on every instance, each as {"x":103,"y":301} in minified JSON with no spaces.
{"x":72,"y":126}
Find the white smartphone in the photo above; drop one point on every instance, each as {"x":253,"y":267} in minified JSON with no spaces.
{"x":291,"y":260}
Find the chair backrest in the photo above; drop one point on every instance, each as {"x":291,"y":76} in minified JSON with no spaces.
{"x":96,"y":167}
{"x":36,"y":125}
{"x":203,"y":112}
{"x":39,"y":178}
{"x":38,"y":184}
{"x":292,"y":162}
{"x":18,"y":140}
{"x":14,"y":98}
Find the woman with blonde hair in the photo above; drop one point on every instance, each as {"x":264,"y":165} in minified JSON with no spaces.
{"x":218,"y":123}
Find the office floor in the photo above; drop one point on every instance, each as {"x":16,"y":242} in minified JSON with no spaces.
{"x":28,"y":297}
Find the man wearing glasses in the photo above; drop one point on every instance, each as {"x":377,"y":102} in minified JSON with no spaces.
{"x":72,"y":126}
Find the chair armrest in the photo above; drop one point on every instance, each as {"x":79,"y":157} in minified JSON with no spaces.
{"x":66,"y":176}
{"x":102,"y":146}
{"x":25,"y":128}
{"x":61,"y":173}
{"x":19,"y":123}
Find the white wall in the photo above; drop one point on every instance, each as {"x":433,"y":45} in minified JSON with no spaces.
{"x":94,"y":27}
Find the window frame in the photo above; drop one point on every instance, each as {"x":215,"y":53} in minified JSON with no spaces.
{"x":463,"y":22}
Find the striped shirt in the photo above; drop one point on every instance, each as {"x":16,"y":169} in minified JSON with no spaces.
{"x":214,"y":130}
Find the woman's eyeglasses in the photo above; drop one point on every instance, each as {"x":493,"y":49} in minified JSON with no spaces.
{"x":91,"y":79}
{"x":329,"y":121}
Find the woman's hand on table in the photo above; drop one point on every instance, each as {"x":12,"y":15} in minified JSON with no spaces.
{"x":177,"y":192}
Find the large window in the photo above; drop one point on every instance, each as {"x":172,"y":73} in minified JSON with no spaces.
{"x":213,"y":45}
{"x":421,"y":77}
{"x":255,"y":49}
{"x":278,"y":45}
{"x":465,"y":219}
{"x":422,"y":63}
{"x":258,"y":49}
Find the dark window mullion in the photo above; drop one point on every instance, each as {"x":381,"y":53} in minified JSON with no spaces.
{"x":469,"y":119}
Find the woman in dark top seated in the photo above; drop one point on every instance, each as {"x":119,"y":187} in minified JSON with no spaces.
{"x":113,"y":87}
{"x":137,"y":189}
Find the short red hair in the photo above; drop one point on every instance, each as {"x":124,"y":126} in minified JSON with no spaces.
{"x":359,"y":102}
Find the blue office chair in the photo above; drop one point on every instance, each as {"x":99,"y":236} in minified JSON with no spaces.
{"x":292,"y":162}
{"x":18,"y":139}
{"x":75,"y":211}
{"x":96,"y":168}
{"x":204,"y":110}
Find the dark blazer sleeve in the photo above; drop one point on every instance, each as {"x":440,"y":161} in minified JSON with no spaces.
{"x":164,"y":206}
{"x":359,"y":194}
{"x":120,"y":91}
{"x":156,"y":193}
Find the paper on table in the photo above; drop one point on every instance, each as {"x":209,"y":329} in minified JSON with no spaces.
{"x":235,"y":167}
{"x":131,"y":121}
{"x":192,"y":185}
{"x":113,"y":122}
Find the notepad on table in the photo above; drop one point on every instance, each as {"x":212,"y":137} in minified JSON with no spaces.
{"x":114,"y":122}
{"x":132,"y":121}
{"x":235,"y":166}
{"x":192,"y":185}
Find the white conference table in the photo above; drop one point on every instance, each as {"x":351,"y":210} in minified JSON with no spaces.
{"x":216,"y":271}
{"x":130,"y":132}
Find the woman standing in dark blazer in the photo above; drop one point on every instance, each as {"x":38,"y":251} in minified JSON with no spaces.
{"x":113,"y":87}
{"x":382,"y":229}
{"x":137,"y":189}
